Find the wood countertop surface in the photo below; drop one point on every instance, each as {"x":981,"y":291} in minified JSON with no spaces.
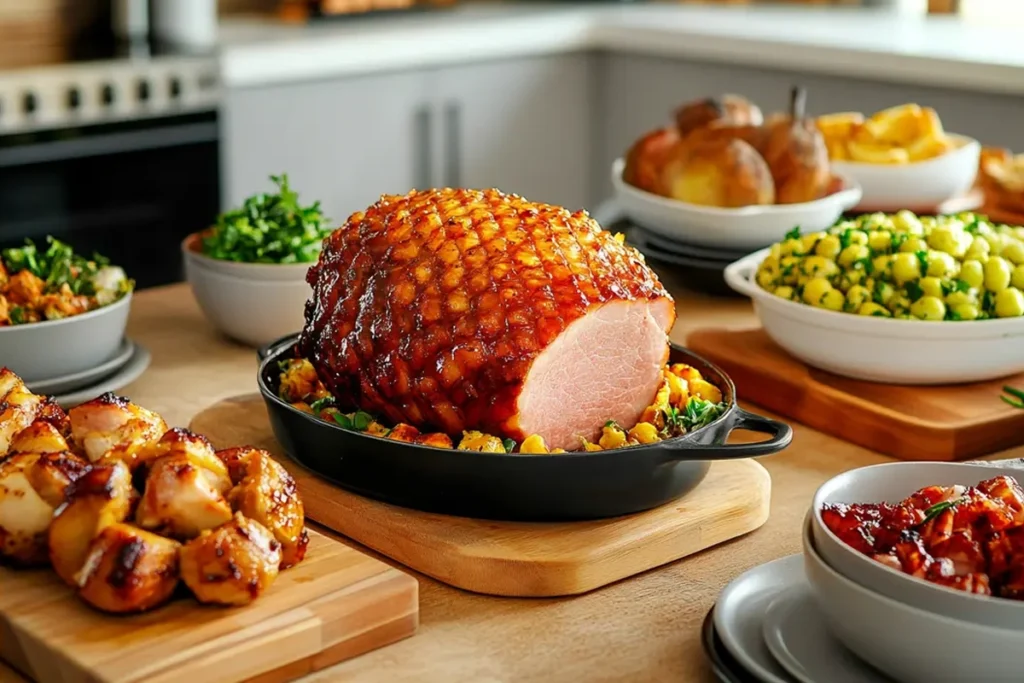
{"x":646,"y":628}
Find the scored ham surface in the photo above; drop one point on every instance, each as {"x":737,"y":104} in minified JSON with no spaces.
{"x":464,"y":309}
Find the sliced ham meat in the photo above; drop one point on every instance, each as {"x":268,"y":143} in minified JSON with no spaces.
{"x":462,"y":309}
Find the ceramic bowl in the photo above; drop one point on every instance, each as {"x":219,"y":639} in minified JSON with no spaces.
{"x":908,"y":644}
{"x":883,"y":350}
{"x":190,"y":249}
{"x":922,"y":185}
{"x":746,"y":228}
{"x":892,"y":482}
{"x":251,"y":310}
{"x":41,"y":351}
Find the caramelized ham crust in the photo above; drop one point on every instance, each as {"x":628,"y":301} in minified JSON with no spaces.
{"x":464,"y":309}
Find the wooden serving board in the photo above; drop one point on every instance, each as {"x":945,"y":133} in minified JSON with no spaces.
{"x":336,"y":604}
{"x":515,"y":558}
{"x":906,"y":422}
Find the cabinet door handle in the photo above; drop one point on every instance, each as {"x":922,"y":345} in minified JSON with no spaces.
{"x":422,"y":154}
{"x":453,"y":146}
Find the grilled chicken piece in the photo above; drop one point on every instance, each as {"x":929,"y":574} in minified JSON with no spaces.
{"x":53,"y":473}
{"x":128,"y":570}
{"x":232,"y":564}
{"x":454,"y":310}
{"x":103,"y":496}
{"x":195,"y":447}
{"x":24,"y":514}
{"x":113,"y":428}
{"x":39,"y":437}
{"x":267,"y":494}
{"x":185,"y":489}
{"x":18,"y":409}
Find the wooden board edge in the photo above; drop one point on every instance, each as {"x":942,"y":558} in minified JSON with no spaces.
{"x":522,"y":579}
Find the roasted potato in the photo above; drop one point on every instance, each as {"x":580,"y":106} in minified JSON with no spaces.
{"x":727,"y":173}
{"x":797,"y":156}
{"x":39,"y":437}
{"x":196,"y":448}
{"x":101,"y":497}
{"x":128,"y":570}
{"x":111,"y":427}
{"x":898,"y":135}
{"x":723,"y":111}
{"x":267,"y":494}
{"x":18,"y":409}
{"x":182,"y":498}
{"x":53,"y":473}
{"x":646,"y":159}
{"x":232,"y":564}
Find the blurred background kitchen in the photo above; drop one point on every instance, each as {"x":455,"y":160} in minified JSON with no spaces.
{"x":125,"y":125}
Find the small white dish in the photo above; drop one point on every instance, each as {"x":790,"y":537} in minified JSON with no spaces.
{"x":919,"y":185}
{"x":908,"y":644}
{"x":745,"y":228}
{"x":68,"y":383}
{"x":190,"y":249}
{"x":740,"y":609}
{"x":892,"y":482}
{"x":128,"y":373}
{"x":884,"y":350}
{"x":798,"y":638}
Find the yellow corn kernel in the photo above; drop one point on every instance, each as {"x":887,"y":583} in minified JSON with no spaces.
{"x":706,"y":390}
{"x":483,"y":443}
{"x":620,"y":238}
{"x":644,"y":432}
{"x":612,"y":436}
{"x":587,"y":446}
{"x":558,"y":450}
{"x":533,"y":444}
{"x":678,"y":389}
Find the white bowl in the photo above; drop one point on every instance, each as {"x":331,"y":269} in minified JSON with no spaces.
{"x":251,"y":311}
{"x":909,"y":644}
{"x":248,"y":271}
{"x":885,"y":350}
{"x":892,"y":482}
{"x":921,"y":185}
{"x":749,"y":227}
{"x":54,"y":348}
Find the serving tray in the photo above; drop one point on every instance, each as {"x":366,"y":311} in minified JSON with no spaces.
{"x":524,"y":559}
{"x":336,"y":604}
{"x":906,"y":422}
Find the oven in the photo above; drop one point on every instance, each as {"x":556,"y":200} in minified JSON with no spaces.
{"x":130,"y":190}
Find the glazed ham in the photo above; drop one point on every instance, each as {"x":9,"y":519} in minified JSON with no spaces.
{"x":464,"y":309}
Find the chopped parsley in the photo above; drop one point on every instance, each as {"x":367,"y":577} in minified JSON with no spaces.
{"x":914,"y":291}
{"x":793,"y":234}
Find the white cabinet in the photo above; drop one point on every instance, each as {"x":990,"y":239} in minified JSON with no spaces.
{"x":519,"y":125}
{"x":522,"y":126}
{"x":344,"y":142}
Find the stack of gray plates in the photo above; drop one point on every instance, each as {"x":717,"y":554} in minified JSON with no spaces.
{"x":122,"y":368}
{"x":697,"y":267}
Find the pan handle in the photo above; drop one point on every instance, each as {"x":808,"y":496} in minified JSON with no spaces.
{"x":780,"y":432}
{"x":274,"y":347}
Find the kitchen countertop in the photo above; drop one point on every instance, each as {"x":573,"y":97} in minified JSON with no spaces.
{"x":860,"y":43}
{"x":646,"y":628}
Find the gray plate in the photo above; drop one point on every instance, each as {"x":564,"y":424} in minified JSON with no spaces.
{"x":78,"y":380}
{"x":128,"y":373}
{"x":797,"y":636}
{"x":739,"y":615}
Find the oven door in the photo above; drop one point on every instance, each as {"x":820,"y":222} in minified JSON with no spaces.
{"x":130,"y":191}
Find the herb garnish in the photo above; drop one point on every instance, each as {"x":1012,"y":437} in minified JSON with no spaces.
{"x":509,"y":444}
{"x":1015,"y":398}
{"x":793,"y":234}
{"x":914,"y":291}
{"x":937,"y":509}
{"x":269,"y":228}
{"x":58,"y":265}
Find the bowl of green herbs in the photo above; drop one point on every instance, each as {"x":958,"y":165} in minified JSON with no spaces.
{"x":61,"y":313}
{"x":248,"y":271}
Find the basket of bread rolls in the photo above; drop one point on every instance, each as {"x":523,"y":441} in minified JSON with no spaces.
{"x":724,"y":175}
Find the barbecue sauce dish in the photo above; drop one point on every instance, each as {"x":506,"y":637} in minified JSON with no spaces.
{"x":967,"y":538}
{"x":125,"y":510}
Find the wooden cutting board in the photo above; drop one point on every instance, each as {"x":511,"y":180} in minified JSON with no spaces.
{"x":515,"y":558}
{"x":336,"y":604}
{"x":906,"y":422}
